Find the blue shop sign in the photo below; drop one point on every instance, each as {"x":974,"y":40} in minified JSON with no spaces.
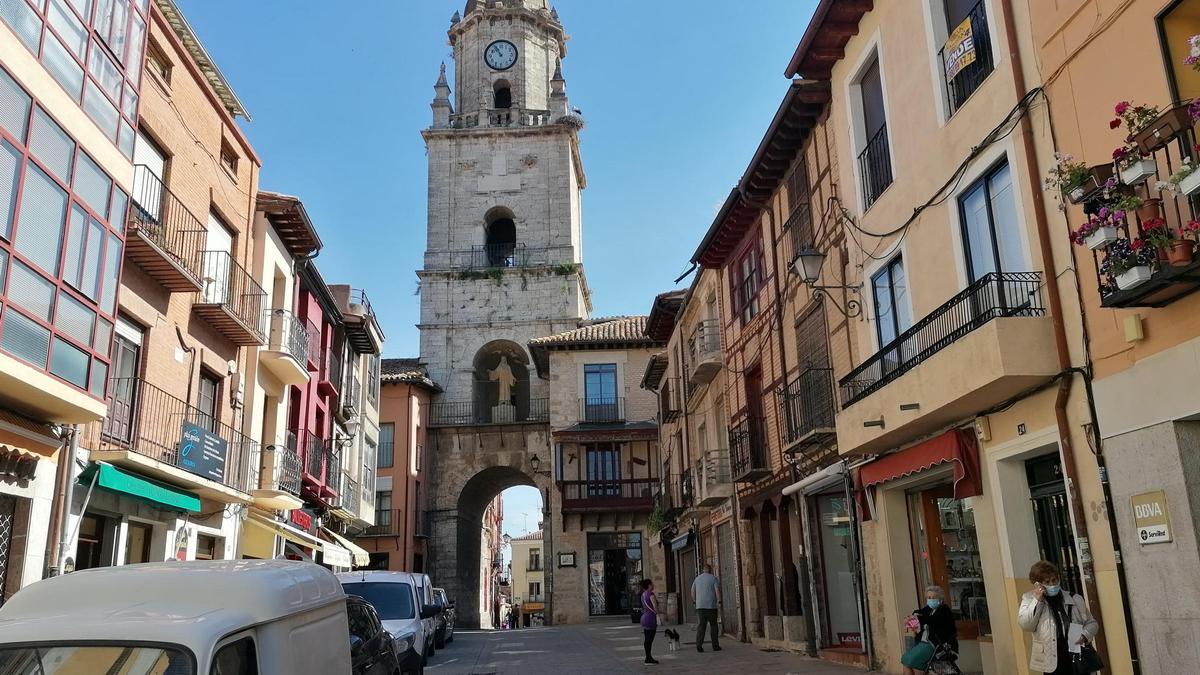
{"x":203,"y":453}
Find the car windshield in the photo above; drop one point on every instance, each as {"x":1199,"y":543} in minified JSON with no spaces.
{"x":440,"y":596}
{"x":392,"y":600}
{"x":63,"y":659}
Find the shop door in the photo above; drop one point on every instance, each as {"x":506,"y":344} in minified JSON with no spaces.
{"x":616,"y":582}
{"x":947,"y":548}
{"x":837,"y":565}
{"x":687,"y":574}
{"x":8,"y":523}
{"x":137,"y":543}
{"x":729,"y":579}
{"x":95,"y":542}
{"x":1056,"y":538}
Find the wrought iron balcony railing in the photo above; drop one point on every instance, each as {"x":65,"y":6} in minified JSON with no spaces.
{"x":992,"y":296}
{"x":602,"y":409}
{"x":807,"y":404}
{"x":231,"y":301}
{"x":475,"y":413}
{"x":748,"y":450}
{"x":387,"y":522}
{"x":286,"y":332}
{"x":967,"y":78}
{"x":165,"y":238}
{"x":287,"y":466}
{"x":875,"y":166}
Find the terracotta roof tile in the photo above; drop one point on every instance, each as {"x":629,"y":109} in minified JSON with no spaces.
{"x":624,"y":330}
{"x":406,"y":371}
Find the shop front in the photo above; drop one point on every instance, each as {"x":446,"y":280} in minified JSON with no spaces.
{"x":614,"y":572}
{"x":683,"y":551}
{"x":724,"y":561}
{"x":27,"y":473}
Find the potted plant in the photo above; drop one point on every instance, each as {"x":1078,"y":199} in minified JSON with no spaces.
{"x":1157,"y":236}
{"x":1068,"y":177}
{"x":1100,"y":229}
{"x":1128,"y":263}
{"x":1186,"y":180}
{"x":1149,"y":209}
{"x":1183,"y":248}
{"x":1134,"y":168}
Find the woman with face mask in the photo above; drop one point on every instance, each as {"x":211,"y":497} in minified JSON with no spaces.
{"x":934,"y":628}
{"x":1048,"y":611}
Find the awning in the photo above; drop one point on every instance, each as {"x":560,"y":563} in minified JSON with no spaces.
{"x":292,"y":534}
{"x":362,"y":557}
{"x":816,"y":482}
{"x":335,"y":556}
{"x":957,"y":447}
{"x":113,"y":479}
{"x":682,"y":541}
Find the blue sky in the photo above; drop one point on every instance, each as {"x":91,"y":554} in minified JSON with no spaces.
{"x":676,"y":94}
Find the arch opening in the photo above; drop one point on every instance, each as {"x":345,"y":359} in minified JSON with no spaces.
{"x":502,"y":95}
{"x":500,"y":238}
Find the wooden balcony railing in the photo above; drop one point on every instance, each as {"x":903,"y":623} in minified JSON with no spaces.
{"x":629,"y":494}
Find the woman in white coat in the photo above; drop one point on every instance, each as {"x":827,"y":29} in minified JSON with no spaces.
{"x":1048,"y":612}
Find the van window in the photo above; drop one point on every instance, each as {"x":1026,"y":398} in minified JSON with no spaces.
{"x":96,"y":658}
{"x":392,"y":600}
{"x":236,"y":658}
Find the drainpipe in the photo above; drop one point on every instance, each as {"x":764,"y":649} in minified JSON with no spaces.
{"x":64,"y":477}
{"x":1078,"y":520}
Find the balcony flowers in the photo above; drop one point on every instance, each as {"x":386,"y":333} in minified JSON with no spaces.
{"x":1134,"y":168}
{"x":1068,"y":177}
{"x":1128,"y":263}
{"x":1193,"y":58}
{"x":1183,"y":247}
{"x":1100,"y":230}
{"x":1186,"y":180}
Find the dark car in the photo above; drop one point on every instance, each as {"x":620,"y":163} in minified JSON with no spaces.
{"x":444,"y":631}
{"x":372,"y":649}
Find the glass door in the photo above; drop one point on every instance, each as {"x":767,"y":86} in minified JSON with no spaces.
{"x":837,"y":563}
{"x":947,"y":555}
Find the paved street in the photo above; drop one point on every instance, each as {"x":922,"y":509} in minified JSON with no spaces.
{"x":607,"y":647}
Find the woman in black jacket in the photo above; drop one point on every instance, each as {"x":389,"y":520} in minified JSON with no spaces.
{"x":936,"y":625}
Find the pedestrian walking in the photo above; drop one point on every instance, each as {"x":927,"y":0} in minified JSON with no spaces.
{"x":649,"y":617}
{"x":706,"y":596}
{"x":935,"y":632}
{"x":1057,"y":620}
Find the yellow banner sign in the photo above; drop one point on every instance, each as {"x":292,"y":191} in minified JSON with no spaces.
{"x":1151,"y":518}
{"x":959,"y":51}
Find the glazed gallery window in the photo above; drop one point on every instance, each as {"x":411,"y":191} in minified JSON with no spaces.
{"x":946,"y":548}
{"x":61,"y":218}
{"x":603,"y":469}
{"x":747,"y":278}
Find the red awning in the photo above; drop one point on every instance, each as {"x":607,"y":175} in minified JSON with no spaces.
{"x":956,"y":446}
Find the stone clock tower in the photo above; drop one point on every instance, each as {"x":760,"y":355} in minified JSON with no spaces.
{"x":503,"y":265}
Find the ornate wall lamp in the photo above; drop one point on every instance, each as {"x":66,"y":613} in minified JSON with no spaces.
{"x":808,"y":264}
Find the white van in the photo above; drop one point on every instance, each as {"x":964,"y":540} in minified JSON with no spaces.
{"x":231,"y":617}
{"x":404,"y":602}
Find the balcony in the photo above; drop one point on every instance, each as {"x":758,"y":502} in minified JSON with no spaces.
{"x":388,"y":523}
{"x":279,"y":483}
{"x":713,"y":477}
{"x":161,"y":436}
{"x":362,"y":328}
{"x":632,"y":494}
{"x":687,"y":489}
{"x":704,"y":345}
{"x":286,"y":353}
{"x":351,"y":400}
{"x":501,"y":117}
{"x":669,"y":405}
{"x":163,"y":237}
{"x":962,"y":80}
{"x":601,"y":409}
{"x":986,"y":344}
{"x":748,"y":450}
{"x":349,"y":498}
{"x":330,"y":381}
{"x":809,"y":412}
{"x":320,"y":461}
{"x":474,"y":413}
{"x":534,"y":565}
{"x":875,"y":167}
{"x":231,"y":300}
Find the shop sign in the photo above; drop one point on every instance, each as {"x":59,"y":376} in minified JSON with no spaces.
{"x":721,"y":512}
{"x":303,"y":520}
{"x":203,"y":453}
{"x":1151,"y":518}
{"x":960,"y":49}
{"x":335,"y":556}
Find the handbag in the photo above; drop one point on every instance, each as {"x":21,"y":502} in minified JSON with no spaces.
{"x":1087,"y":661}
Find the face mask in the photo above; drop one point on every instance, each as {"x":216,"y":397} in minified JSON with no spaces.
{"x":1053,"y":590}
{"x":933,"y":603}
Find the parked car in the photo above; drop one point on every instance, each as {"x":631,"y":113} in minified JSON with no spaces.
{"x":403,"y":609}
{"x":372,"y":649}
{"x":230,"y":617}
{"x":443,"y":633}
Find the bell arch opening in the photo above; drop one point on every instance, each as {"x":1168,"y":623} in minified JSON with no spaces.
{"x":502,"y":94}
{"x":500,"y":238}
{"x":501,"y":384}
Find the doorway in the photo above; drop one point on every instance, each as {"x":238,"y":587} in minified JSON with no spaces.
{"x":687,"y":575}
{"x":1052,"y":519}
{"x":614,"y":572}
{"x":947,"y":555}
{"x":137,"y":543}
{"x":837,"y":564}
{"x":95,"y":542}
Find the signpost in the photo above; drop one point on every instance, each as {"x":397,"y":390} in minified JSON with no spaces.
{"x":203,"y":453}
{"x":1151,"y":518}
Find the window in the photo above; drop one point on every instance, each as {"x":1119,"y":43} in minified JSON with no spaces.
{"x":500,"y":247}
{"x":890,"y":288}
{"x":229,"y":158}
{"x":535,"y":589}
{"x":948,"y":554}
{"x":383,"y":508}
{"x":207,"y":400}
{"x":236,"y":658}
{"x":373,"y":379}
{"x":991,"y":226}
{"x":874,"y":158}
{"x":502,"y":94}
{"x":158,"y":63}
{"x":387,"y":435}
{"x":206,"y":547}
{"x":746,"y":278}
{"x":966,"y":55}
{"x":535,"y":559}
{"x":392,"y":600}
{"x":600,"y":403}
{"x":603,"y":469}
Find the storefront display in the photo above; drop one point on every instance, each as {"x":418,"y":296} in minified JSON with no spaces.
{"x":947,"y":548}
{"x":614,"y":572}
{"x":837,"y":564}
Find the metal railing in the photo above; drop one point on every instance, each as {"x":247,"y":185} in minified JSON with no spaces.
{"x":578,"y":492}
{"x":331,"y":367}
{"x":287,"y":333}
{"x":348,"y":494}
{"x":158,"y":215}
{"x":687,"y":490}
{"x":387,"y":522}
{"x":964,"y":83}
{"x":602,"y":409}
{"x":150,"y":422}
{"x":351,"y":394}
{"x":669,"y":405}
{"x":807,"y":403}
{"x":319,"y":457}
{"x":499,"y":255}
{"x":287,"y":465}
{"x":714,"y":466}
{"x":473,"y":413}
{"x":359,"y":299}
{"x":992,"y":296}
{"x":748,"y":449}
{"x":229,"y":285}
{"x":315,"y":353}
{"x":705,"y":341}
{"x":799,"y":227}
{"x":875,"y":166}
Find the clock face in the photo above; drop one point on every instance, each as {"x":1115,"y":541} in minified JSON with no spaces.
{"x":501,"y":55}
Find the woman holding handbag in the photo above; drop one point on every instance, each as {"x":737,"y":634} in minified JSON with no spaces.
{"x":1048,"y":613}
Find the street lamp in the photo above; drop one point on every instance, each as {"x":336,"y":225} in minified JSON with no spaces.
{"x":808,"y":264}
{"x":535,"y":463}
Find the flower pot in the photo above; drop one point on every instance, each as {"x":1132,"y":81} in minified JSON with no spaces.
{"x":1162,"y":130}
{"x":1137,"y":172}
{"x":1134,"y":277}
{"x":1190,"y":183}
{"x":1181,"y":252}
{"x":1076,"y":194}
{"x":1149,"y":210}
{"x":1100,"y":238}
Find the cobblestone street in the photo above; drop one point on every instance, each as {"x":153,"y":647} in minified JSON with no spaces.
{"x":608,"y":647}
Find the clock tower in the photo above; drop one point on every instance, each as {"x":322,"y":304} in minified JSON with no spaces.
{"x":503,"y":256}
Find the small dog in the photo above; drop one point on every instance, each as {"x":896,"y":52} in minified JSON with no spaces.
{"x":672,"y":639}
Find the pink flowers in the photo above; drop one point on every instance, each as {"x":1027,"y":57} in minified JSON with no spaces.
{"x":1122,"y":107}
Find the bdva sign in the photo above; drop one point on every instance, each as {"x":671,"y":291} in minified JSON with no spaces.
{"x":203,"y":452}
{"x":1151,"y":518}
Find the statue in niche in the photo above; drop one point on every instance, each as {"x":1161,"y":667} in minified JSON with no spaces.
{"x":503,"y":376}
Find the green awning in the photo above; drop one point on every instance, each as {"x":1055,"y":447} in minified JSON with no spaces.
{"x":161,"y":495}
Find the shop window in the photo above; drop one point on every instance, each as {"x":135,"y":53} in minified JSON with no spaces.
{"x":947,"y":555}
{"x":207,"y":547}
{"x":137,"y":543}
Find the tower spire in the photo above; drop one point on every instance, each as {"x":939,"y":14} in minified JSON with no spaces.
{"x":558,"y":91}
{"x":442,"y":108}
